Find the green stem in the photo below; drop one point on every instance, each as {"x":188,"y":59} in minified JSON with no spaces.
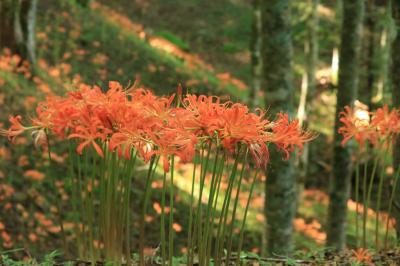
{"x":366,"y":204}
{"x":224,"y":212}
{"x":163,"y":241}
{"x":203,"y":249}
{"x":132,"y":163}
{"x":74,"y":198}
{"x":152,"y":167}
{"x":199,"y":222}
{"x":378,"y":204}
{"x":58,"y":201}
{"x":90,"y":208}
{"x":356,"y":191}
{"x":214,"y":212}
{"x":245,"y":217}
{"x":190,"y":244}
{"x":171,"y":213}
{"x":396,"y":177}
{"x":244,"y":162}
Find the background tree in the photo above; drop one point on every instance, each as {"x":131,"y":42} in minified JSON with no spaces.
{"x":256,"y":58}
{"x":396,"y":103}
{"x":17,"y":27}
{"x":369,"y":45}
{"x":347,"y":90}
{"x":280,"y":184}
{"x":7,"y":36}
{"x":308,"y":86}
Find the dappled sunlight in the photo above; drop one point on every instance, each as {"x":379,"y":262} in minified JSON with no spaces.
{"x":310,"y":229}
{"x":192,"y":61}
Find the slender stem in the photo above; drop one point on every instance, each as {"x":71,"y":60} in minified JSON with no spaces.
{"x":203,"y":250}
{"x":74,"y":198}
{"x":152,"y":166}
{"x":244,"y":162}
{"x":378,"y":204}
{"x":163,"y":242}
{"x":245,"y":217}
{"x":190,"y":244}
{"x":368,"y":197}
{"x":198,"y":221}
{"x":171,"y":213}
{"x":225,"y":210}
{"x":127,"y":207}
{"x":365,"y":189}
{"x":214,"y":213}
{"x":58,"y":202}
{"x":366,"y":204}
{"x":356,"y":191}
{"x":90,"y":203}
{"x":396,"y":177}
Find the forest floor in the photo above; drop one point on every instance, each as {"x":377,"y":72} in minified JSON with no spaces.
{"x":327,"y":258}
{"x":106,"y":42}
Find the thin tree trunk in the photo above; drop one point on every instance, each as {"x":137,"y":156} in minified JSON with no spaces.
{"x":256,"y":58}
{"x":7,"y":37}
{"x":312,"y":57}
{"x":347,"y":90}
{"x":308,"y":89}
{"x":280,"y":183}
{"x":336,"y":34}
{"x":18,"y":34}
{"x":31,"y":33}
{"x":384,"y":53}
{"x":370,"y":61}
{"x":396,"y":103}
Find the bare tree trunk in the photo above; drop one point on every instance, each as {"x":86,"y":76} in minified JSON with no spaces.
{"x":280,"y":183}
{"x":396,"y":103}
{"x":17,"y":27}
{"x":308,"y":88}
{"x":383,"y":82}
{"x":256,"y":58}
{"x":20,"y":44}
{"x":347,"y":89}
{"x":7,"y":37}
{"x":369,"y":54}
{"x":312,"y":56}
{"x":31,"y":33}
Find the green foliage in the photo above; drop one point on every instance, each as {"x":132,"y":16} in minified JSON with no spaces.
{"x":174,"y":39}
{"x":48,"y":260}
{"x":230,"y":48}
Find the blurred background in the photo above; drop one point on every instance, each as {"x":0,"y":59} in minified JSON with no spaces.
{"x":246,"y":51}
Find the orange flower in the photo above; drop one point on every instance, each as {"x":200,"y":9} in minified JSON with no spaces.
{"x":383,"y":128}
{"x":354,"y":127}
{"x":15,"y":129}
{"x":387,"y":123}
{"x":362,"y":255}
{"x":89,"y":136}
{"x":135,"y":120}
{"x":287,"y":135}
{"x":34,"y":175}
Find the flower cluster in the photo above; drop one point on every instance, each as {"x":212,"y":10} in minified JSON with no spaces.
{"x":124,"y":120}
{"x":377,"y":127}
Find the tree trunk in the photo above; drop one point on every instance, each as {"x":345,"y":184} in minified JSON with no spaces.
{"x":31,"y":32}
{"x":7,"y":37}
{"x":256,"y":58}
{"x":369,"y":54}
{"x":308,"y":89}
{"x":20,"y":46}
{"x":312,"y":56}
{"x":396,"y":103}
{"x":17,"y":27}
{"x":347,"y":90}
{"x":280,"y":184}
